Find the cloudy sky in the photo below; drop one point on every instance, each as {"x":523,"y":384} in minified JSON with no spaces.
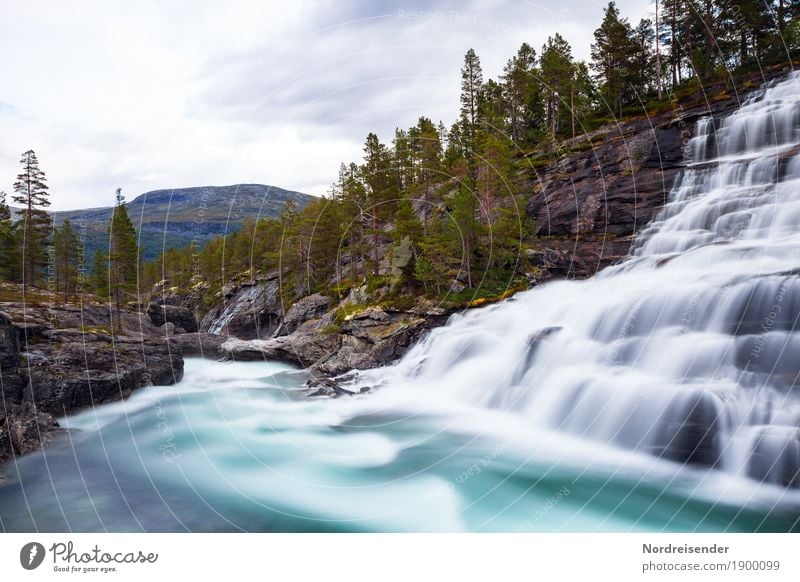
{"x":146,"y":95}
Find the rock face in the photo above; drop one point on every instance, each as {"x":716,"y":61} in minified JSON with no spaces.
{"x":57,"y":359}
{"x":311,"y":307}
{"x":249,"y":310}
{"x":180,"y":317}
{"x":199,"y":345}
{"x":24,"y":429}
{"x":77,"y":370}
{"x":591,"y":201}
{"x":367,"y":339}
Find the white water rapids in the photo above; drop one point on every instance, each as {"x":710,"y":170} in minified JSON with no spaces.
{"x":690,"y":349}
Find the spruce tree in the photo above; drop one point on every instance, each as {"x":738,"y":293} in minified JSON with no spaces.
{"x":471,"y":88}
{"x":9,"y":259}
{"x":100,"y":284}
{"x":123,"y":254}
{"x":523,"y":96}
{"x":613,"y":58}
{"x":31,"y":192}
{"x":465,"y":229}
{"x":66,"y":249}
{"x":380,"y":188}
{"x":558,"y":81}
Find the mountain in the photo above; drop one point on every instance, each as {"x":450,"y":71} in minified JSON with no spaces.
{"x":174,"y":218}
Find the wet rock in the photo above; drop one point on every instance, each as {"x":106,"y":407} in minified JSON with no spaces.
{"x":300,"y":348}
{"x":775,"y":456}
{"x":248,"y":310}
{"x":24,"y":429}
{"x":79,"y":371}
{"x":369,"y":338}
{"x":602,"y":188}
{"x":179,"y":316}
{"x":9,"y":349}
{"x":307,"y":308}
{"x":56,"y":359}
{"x":201,"y":345}
{"x":10,"y":381}
{"x":688,"y":430}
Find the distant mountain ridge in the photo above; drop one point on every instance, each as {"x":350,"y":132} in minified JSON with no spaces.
{"x":173,"y":218}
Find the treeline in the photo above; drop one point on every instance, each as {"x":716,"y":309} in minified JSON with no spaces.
{"x":36,"y":253}
{"x":451,"y":195}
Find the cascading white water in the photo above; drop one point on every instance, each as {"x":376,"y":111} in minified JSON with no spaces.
{"x":689,"y":350}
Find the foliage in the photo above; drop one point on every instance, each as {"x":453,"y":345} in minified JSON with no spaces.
{"x":33,"y":236}
{"x":123,"y":255}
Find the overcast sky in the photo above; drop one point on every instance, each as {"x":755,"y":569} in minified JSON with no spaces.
{"x":147,"y":95}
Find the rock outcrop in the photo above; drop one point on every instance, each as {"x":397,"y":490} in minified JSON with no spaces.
{"x":602,"y":187}
{"x":366,"y":339}
{"x":307,"y":308}
{"x":247,"y":310}
{"x":181,"y":317}
{"x":56,"y":359}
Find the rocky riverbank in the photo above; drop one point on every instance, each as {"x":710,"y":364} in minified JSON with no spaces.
{"x":57,"y":358}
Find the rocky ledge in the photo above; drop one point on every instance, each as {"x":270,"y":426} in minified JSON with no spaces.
{"x":56,"y":359}
{"x":332,"y":344}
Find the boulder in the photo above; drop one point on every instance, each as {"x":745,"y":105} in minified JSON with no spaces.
{"x":397,"y":259}
{"x":200,"y":345}
{"x":307,"y":308}
{"x":370,"y":338}
{"x":180,"y":316}
{"x":9,"y":350}
{"x":79,"y":370}
{"x":24,"y":429}
{"x":248,"y":310}
{"x":10,"y":382}
{"x":300,"y":348}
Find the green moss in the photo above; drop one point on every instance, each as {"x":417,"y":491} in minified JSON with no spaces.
{"x":332,"y":328}
{"x":345,"y":310}
{"x":400,"y":303}
{"x":375,"y":282}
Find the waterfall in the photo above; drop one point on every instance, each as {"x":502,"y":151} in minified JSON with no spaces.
{"x":690,"y":349}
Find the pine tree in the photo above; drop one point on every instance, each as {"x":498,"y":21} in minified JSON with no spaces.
{"x":471,"y":88}
{"x":407,"y":223}
{"x":643,"y":72}
{"x":455,"y":152}
{"x":66,"y":249}
{"x":671,"y":25}
{"x":402,"y":159}
{"x":31,"y":192}
{"x":9,"y":259}
{"x":492,"y":109}
{"x":523,"y":96}
{"x":558,"y":83}
{"x":100,"y":284}
{"x":465,"y":229}
{"x":123,"y":254}
{"x":613,"y":57}
{"x":377,"y":176}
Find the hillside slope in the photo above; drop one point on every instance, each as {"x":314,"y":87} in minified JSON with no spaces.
{"x":174,"y":218}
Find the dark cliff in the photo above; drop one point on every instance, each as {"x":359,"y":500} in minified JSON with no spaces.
{"x":592,"y":195}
